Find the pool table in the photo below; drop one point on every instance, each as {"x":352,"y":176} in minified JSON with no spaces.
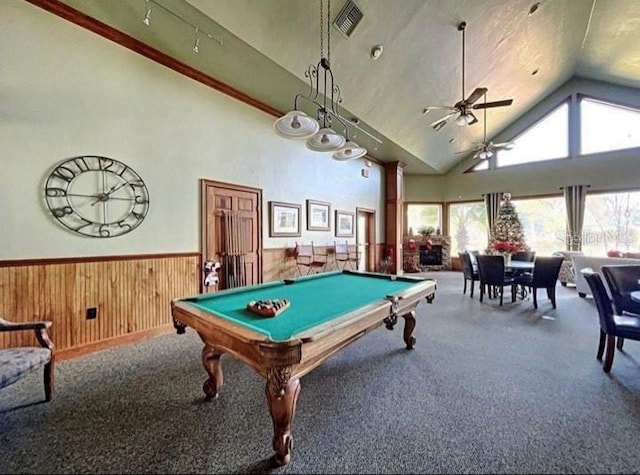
{"x":327,"y":312}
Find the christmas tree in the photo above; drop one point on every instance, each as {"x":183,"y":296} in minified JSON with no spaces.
{"x":507,"y":235}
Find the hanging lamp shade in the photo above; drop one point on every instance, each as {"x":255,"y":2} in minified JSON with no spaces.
{"x":296,"y":125}
{"x":348,"y":151}
{"x":325,"y":140}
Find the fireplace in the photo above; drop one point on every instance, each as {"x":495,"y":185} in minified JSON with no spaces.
{"x":431,"y":257}
{"x":417,"y":258}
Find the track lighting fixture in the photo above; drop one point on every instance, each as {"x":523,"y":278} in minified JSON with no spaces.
{"x":147,"y":15}
{"x":196,"y":44}
{"x":198,"y":32}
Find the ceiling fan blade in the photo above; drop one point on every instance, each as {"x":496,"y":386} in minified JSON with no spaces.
{"x":474,"y":119}
{"x":475,"y":95}
{"x":464,"y":151}
{"x":435,"y":124}
{"x":428,"y":109}
{"x":504,"y":145}
{"x":487,"y":105}
{"x":438,"y":125}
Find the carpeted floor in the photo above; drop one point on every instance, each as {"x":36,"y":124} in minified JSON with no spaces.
{"x":487,"y":389}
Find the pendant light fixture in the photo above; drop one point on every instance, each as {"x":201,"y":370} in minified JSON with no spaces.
{"x":325,"y":97}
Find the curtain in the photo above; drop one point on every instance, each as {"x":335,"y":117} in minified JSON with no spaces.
{"x":574,"y":198}
{"x":492,"y":204}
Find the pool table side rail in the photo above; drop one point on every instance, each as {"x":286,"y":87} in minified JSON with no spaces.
{"x":254,"y":349}
{"x":237,"y":290}
{"x":201,"y":320}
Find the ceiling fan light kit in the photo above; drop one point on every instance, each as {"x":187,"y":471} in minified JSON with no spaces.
{"x":485,"y":154}
{"x":325,"y":96}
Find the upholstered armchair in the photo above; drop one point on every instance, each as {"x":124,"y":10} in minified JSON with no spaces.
{"x":567,"y":272}
{"x":15,"y":363}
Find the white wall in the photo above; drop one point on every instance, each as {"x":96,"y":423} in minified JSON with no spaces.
{"x":66,"y":92}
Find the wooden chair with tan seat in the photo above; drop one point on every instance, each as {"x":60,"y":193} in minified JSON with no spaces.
{"x":354,"y":256}
{"x":307,"y":257}
{"x":341,"y":254}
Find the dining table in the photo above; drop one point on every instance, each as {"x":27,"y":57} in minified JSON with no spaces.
{"x":520,"y":266}
{"x":515,"y":267}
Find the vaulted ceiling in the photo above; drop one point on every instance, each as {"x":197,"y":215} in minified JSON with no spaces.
{"x":264,"y":47}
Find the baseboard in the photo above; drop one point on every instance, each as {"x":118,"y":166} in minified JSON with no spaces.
{"x":74,"y":352}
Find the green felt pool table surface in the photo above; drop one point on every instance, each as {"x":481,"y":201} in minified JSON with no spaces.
{"x":314,"y":300}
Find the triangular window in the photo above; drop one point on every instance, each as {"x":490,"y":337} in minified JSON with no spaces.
{"x":606,"y":127}
{"x":547,"y":139}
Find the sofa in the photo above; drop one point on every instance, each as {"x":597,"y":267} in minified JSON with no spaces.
{"x":595,"y":263}
{"x":567,"y":274}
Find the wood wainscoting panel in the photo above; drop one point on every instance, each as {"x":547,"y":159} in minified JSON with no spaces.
{"x":280,"y":263}
{"x":131,"y":294}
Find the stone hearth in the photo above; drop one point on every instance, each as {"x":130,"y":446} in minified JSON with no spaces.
{"x":412,"y":255}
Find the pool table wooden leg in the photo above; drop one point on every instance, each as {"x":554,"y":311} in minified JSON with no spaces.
{"x":409,"y":325}
{"x":282,"y":394}
{"x":211,"y":361}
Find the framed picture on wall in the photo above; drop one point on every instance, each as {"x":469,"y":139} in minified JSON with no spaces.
{"x":345,"y":223}
{"x":318,"y":215}
{"x":284,"y":219}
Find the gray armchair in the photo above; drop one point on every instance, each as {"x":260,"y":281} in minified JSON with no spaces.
{"x":15,"y":363}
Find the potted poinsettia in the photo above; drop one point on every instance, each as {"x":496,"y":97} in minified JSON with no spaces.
{"x":505,"y":248}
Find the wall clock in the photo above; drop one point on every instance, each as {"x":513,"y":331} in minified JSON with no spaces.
{"x":96,"y":196}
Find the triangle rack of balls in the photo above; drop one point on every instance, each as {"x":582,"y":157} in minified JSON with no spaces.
{"x":268,"y":308}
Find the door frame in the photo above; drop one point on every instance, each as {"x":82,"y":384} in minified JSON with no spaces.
{"x":370,"y":250}
{"x":204,"y":183}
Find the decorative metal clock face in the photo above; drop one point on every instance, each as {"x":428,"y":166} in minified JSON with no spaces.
{"x":97,"y":196}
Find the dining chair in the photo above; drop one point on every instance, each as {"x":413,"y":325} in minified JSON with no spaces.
{"x":544,"y":276}
{"x":521,"y":256}
{"x":612,"y":325}
{"x":308,"y":257}
{"x":492,"y":276}
{"x":468,"y":272}
{"x":526,"y":256}
{"x":622,"y":280}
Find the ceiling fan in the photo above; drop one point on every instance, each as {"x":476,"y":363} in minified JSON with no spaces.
{"x":485,"y":150}
{"x":463,"y":108}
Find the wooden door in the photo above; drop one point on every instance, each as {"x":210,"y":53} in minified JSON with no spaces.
{"x":366,"y":238}
{"x":232,"y":233}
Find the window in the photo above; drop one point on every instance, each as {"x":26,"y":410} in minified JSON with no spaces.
{"x":606,"y":127}
{"x":481,"y":165}
{"x":544,"y":222}
{"x":468,"y":226}
{"x":611,"y":222}
{"x":422,"y":216}
{"x":548,"y":139}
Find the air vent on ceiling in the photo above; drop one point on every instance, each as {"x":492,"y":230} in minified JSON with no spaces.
{"x":348,"y":19}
